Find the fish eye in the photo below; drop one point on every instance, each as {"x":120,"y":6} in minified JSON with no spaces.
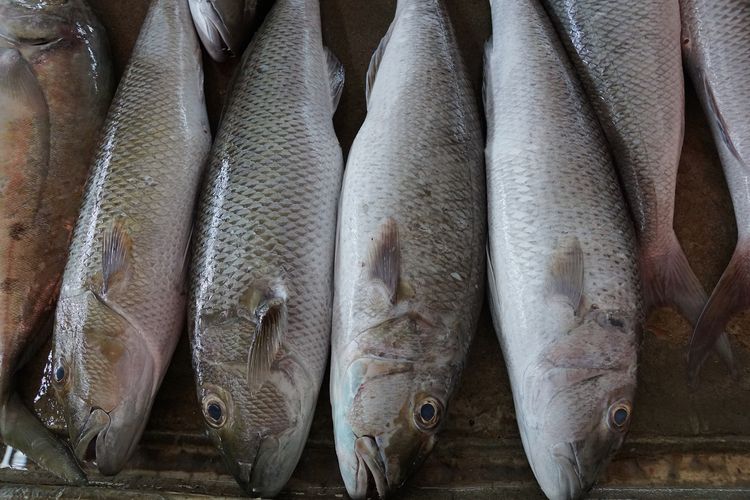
{"x":214,"y":411}
{"x":59,"y":374}
{"x":427,"y":414}
{"x":619,"y":416}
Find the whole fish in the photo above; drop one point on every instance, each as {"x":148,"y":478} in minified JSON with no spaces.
{"x":563,"y":272}
{"x":716,"y":45}
{"x":122,"y":302}
{"x":223,"y":25}
{"x":262,"y":269}
{"x":627,"y":55}
{"x":56,"y":85}
{"x":410,"y":253}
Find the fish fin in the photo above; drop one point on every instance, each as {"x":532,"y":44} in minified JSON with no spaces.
{"x":19,"y":83}
{"x":731,"y":296}
{"x":721,"y":124}
{"x":336,"y":77}
{"x":271,"y":324}
{"x":566,"y":274}
{"x":668,"y":280}
{"x":385,"y":258}
{"x":487,"y":81}
{"x":21,"y":429}
{"x":116,"y":249}
{"x":377,"y":57}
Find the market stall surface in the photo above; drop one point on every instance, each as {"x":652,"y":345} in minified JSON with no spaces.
{"x":683,"y":442}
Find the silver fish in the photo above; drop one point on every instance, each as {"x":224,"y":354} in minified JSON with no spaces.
{"x":410,"y":257}
{"x":716,"y":46}
{"x":223,"y":25}
{"x":563,"y":272}
{"x":627,"y":55}
{"x":55,"y":86}
{"x":262,"y":269}
{"x":122,"y":303}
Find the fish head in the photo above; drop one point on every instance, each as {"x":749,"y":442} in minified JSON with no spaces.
{"x":105,"y":378}
{"x":33,"y":25}
{"x":576,"y":405}
{"x":223,"y":25}
{"x":391,"y":402}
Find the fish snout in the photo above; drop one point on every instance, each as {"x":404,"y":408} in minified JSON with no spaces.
{"x":91,"y":435}
{"x":370,"y":469}
{"x":572,"y":479}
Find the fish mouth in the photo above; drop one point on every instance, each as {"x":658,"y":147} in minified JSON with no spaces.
{"x":370,"y":469}
{"x":572,"y":480}
{"x":212,"y":30}
{"x":90,"y":445}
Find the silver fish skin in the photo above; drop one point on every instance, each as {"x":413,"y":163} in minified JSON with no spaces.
{"x":627,"y":55}
{"x":224,"y":26}
{"x":56,"y":85}
{"x":716,"y":46}
{"x":410,"y":253}
{"x":563,"y":272}
{"x":262,"y":268}
{"x":122,"y":303}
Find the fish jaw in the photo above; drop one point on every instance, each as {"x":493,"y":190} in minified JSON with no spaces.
{"x":222,"y":26}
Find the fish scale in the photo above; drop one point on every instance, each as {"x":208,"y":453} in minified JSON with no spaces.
{"x":410,"y":258}
{"x":570,"y":350}
{"x":265,"y":232}
{"x":128,"y":309}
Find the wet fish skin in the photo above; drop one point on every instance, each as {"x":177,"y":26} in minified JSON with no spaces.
{"x":627,"y":55}
{"x":122,"y":302}
{"x":64,"y":51}
{"x":716,"y":46}
{"x":262,"y":268}
{"x":563,"y":273}
{"x":410,"y":253}
{"x":223,"y":25}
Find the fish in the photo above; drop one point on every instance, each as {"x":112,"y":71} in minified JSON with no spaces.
{"x":716,"y":48}
{"x":224,"y":26}
{"x":122,"y":302}
{"x":56,"y":84}
{"x":261,"y":283}
{"x":627,"y":55}
{"x":564,"y":287}
{"x":409,"y":272}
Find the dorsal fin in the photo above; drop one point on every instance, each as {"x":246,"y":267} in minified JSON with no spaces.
{"x":116,"y":255}
{"x":385,"y":258}
{"x":269,"y":312}
{"x":377,"y":57}
{"x":336,"y":76}
{"x":566,"y":272}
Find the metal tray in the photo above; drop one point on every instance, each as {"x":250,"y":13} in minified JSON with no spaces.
{"x":682,"y":443}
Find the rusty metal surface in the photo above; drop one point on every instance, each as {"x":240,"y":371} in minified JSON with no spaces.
{"x":683,"y":443}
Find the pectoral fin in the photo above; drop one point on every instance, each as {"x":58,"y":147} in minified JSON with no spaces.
{"x":385,"y":259}
{"x":271,"y":324}
{"x":566,"y":273}
{"x":116,"y":256}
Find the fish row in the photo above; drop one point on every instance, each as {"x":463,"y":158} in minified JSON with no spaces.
{"x":288,"y":255}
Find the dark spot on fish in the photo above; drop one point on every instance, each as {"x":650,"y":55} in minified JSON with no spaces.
{"x":616,"y":322}
{"x":7,"y":285}
{"x":17,"y":230}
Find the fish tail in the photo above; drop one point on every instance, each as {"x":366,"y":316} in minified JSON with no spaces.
{"x":731,"y":295}
{"x":668,"y":280}
{"x":21,"y":429}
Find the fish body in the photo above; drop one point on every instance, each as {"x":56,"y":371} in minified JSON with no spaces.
{"x":224,"y":26}
{"x":262,"y":268}
{"x":716,"y":46}
{"x":121,"y":307}
{"x":563,"y":273}
{"x":56,"y":85}
{"x":627,"y":55}
{"x":410,"y":253}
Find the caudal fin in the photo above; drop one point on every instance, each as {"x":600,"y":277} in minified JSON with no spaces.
{"x":668,"y":280}
{"x":22,"y":430}
{"x":731,"y":295}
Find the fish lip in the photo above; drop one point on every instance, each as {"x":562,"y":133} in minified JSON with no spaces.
{"x":96,"y":426}
{"x":572,"y":482}
{"x":370,"y":465}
